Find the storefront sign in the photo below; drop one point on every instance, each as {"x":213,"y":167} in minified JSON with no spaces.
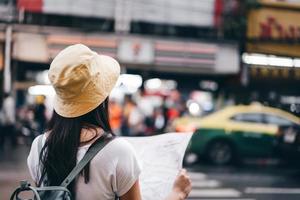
{"x":274,"y":31}
{"x":178,"y":12}
{"x":178,"y":56}
{"x":287,"y":3}
{"x":196,"y":57}
{"x":105,"y":45}
{"x":274,"y":24}
{"x":136,"y":51}
{"x":185,"y":56}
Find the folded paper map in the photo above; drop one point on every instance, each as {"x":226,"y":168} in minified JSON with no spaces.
{"x":161,"y":159}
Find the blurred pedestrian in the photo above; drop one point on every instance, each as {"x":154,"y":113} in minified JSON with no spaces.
{"x":79,"y":120}
{"x":28,"y":126}
{"x":149,"y":125}
{"x":159,"y":120}
{"x":8,"y":122}
{"x":156,"y":122}
{"x":40,"y":113}
{"x":128,"y":106}
{"x":115,"y":116}
{"x":136,"y":120}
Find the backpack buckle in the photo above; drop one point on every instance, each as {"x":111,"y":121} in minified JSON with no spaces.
{"x":24,"y":184}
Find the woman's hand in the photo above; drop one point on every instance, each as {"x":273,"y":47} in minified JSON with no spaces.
{"x":181,"y":188}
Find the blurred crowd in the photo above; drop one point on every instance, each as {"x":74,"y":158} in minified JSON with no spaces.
{"x":135,"y":119}
{"x":131,"y":116}
{"x":21,"y":125}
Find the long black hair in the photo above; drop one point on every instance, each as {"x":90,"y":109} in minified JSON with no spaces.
{"x":59,"y":154}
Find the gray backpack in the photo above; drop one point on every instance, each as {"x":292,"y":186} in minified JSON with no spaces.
{"x":61,"y":192}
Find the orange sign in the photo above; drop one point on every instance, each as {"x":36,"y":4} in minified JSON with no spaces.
{"x":280,"y":3}
{"x":1,"y":57}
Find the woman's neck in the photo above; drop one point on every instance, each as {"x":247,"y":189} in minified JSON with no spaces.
{"x":89,"y":135}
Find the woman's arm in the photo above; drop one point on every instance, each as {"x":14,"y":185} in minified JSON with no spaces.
{"x":133,"y":193}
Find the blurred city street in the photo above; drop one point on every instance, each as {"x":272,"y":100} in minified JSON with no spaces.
{"x":227,"y":71}
{"x":13,"y":168}
{"x":247,"y":182}
{"x":244,"y":183}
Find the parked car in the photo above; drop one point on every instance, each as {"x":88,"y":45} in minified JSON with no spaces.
{"x":237,"y":132}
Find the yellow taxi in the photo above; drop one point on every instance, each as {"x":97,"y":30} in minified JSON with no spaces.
{"x":237,"y":131}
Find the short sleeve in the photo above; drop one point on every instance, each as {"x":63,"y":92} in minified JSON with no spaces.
{"x":33,"y":160}
{"x":128,"y":168}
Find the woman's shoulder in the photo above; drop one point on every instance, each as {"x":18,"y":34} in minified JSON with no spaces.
{"x":115,"y":151}
{"x":35,"y":143}
{"x":120,"y":145}
{"x":33,"y":158}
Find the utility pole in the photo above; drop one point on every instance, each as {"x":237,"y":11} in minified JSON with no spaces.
{"x":7,"y":59}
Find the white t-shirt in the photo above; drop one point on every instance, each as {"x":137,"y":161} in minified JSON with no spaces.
{"x":113,"y":170}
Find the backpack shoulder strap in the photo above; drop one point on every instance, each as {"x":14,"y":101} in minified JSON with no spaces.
{"x":92,"y":151}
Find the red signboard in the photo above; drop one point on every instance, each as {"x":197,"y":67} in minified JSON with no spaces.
{"x":30,"y":5}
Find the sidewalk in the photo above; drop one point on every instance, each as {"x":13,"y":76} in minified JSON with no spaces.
{"x":13,"y":168}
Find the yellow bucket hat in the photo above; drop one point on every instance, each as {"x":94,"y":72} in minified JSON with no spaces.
{"x":82,"y":80}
